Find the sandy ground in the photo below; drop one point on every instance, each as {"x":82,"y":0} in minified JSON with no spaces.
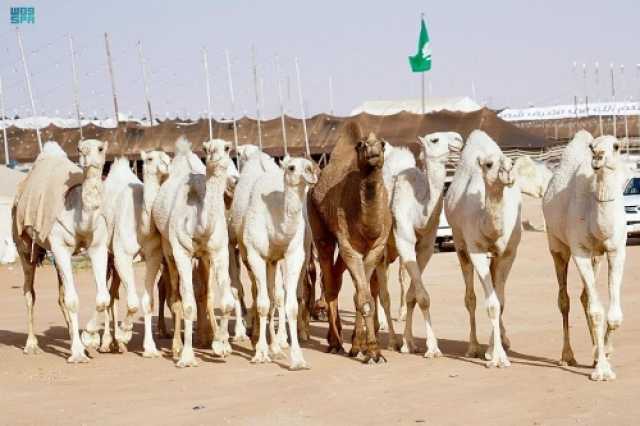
{"x":128,"y":389}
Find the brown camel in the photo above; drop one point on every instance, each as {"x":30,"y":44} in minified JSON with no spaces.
{"x":349,"y":207}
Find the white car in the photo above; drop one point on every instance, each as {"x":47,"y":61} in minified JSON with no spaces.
{"x":632,"y":206}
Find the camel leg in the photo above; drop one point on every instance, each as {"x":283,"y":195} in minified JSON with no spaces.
{"x":106,"y":344}
{"x":561,"y":263}
{"x":424,"y":251}
{"x":272,"y":270}
{"x":205,"y":324}
{"x":403,"y":277}
{"x":305,"y":291}
{"x":281,"y":338}
{"x":481,"y":264}
{"x":473,"y":350}
{"x":29,"y":269}
{"x":153,"y":259}
{"x":100,"y":266}
{"x":220,"y":277}
{"x":62,"y":257}
{"x":164,"y":287}
{"x":500,"y":268}
{"x":174,"y":300}
{"x":293,"y":269}
{"x":381,"y":274}
{"x":595,"y":311}
{"x":123,"y":263}
{"x":259,"y":268}
{"x":614,"y":315}
{"x":63,"y":308}
{"x":331,"y":283}
{"x":240,"y":330}
{"x":183,"y":263}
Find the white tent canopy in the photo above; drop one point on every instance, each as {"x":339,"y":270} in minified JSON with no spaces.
{"x":431,"y":104}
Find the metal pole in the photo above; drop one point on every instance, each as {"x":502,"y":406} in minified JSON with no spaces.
{"x":29,"y":89}
{"x":598,"y":93}
{"x":145,"y":80}
{"x":205,"y":60}
{"x":255,"y":84}
{"x":613,"y":97}
{"x":233,"y":107}
{"x":626,"y":116}
{"x":422,"y":91}
{"x":282,"y":109}
{"x":4,"y":126}
{"x":304,"y":119}
{"x":113,"y":83}
{"x":76,"y":85}
{"x":331,"y":109}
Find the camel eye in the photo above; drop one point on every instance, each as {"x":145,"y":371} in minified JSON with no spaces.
{"x":616,"y":147}
{"x":435,"y":140}
{"x":100,"y":149}
{"x":227,"y":149}
{"x":291,"y":168}
{"x":489,"y":164}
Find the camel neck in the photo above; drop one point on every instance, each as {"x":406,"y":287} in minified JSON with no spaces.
{"x":606,"y":191}
{"x":294,"y":196}
{"x":372,"y":200}
{"x":492,"y":219}
{"x":91,"y":198}
{"x":435,"y":174}
{"x":213,"y":199}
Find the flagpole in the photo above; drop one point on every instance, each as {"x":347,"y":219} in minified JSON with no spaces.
{"x":304,"y":118}
{"x":255,"y":84}
{"x":205,"y":61}
{"x":143,"y":63}
{"x":4,"y":126}
{"x":613,"y":98}
{"x":331,"y":110}
{"x":422,"y":73}
{"x":29,"y":89}
{"x":76,"y":85}
{"x":233,"y":107}
{"x":113,"y":86}
{"x":282,"y":110}
{"x":598,"y":95}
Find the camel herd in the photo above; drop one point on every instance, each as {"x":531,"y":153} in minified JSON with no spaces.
{"x":196,"y":223}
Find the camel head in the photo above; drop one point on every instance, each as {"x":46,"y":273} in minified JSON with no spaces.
{"x":299,"y":171}
{"x":607,"y":167}
{"x":216,"y":153}
{"x":183,"y":146}
{"x":371,"y":151}
{"x":155,"y":163}
{"x":438,"y":145}
{"x":532,"y":177}
{"x":92,"y":154}
{"x":497,"y":170}
{"x":247,"y":151}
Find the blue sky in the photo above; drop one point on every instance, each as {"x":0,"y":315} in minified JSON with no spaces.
{"x":515,"y":52}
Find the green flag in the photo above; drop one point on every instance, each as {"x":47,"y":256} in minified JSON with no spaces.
{"x":421,"y":62}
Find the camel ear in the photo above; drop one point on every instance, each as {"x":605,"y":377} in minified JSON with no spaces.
{"x":105,"y":146}
{"x":143,"y":155}
{"x":206,"y":146}
{"x":285,"y":162}
{"x":384,"y":144}
{"x":354,"y":131}
{"x":592,"y":147}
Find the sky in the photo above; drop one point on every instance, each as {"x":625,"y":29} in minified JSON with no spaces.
{"x":515,"y":53}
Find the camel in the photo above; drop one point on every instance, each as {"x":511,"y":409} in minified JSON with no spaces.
{"x":272,"y":228}
{"x":349,"y":207}
{"x":584,"y":212}
{"x":128,"y":214}
{"x":189,"y":212}
{"x":483,"y":207}
{"x":531,"y":176}
{"x":75,"y":222}
{"x":416,"y":204}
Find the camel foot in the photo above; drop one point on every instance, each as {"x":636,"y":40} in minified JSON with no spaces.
{"x":473,"y":351}
{"x":90,"y":339}
{"x":151,"y":353}
{"x":120,"y":348}
{"x":105,"y":346}
{"x":187,"y":359}
{"x":124,"y":334}
{"x":500,"y":361}
{"x":297,"y":361}
{"x":240,"y":338}
{"x":78,"y":358}
{"x":433,"y":353}
{"x":408,"y":347}
{"x":374,"y":358}
{"x":603,"y":373}
{"x":336,"y":349}
{"x":31,"y":347}
{"x":354,"y":352}
{"x":283,"y":341}
{"x":261,"y":356}
{"x":221,"y":348}
{"x":567,"y":358}
{"x":276,"y":351}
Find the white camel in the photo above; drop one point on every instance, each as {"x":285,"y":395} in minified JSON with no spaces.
{"x":78,"y":225}
{"x":416,"y":204}
{"x":189,"y":212}
{"x":483,"y":208}
{"x":127,"y":209}
{"x":584,"y":211}
{"x":271,"y":227}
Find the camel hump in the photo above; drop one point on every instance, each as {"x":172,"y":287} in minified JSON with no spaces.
{"x":353,"y":131}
